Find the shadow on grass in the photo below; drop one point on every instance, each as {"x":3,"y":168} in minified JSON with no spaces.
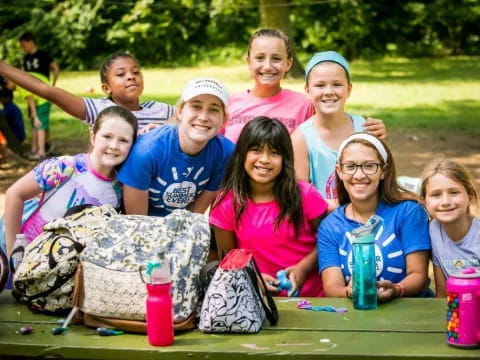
{"x":418,"y":70}
{"x":447,"y":115}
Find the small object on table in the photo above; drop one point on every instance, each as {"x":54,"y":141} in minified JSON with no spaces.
{"x":26,"y":330}
{"x":63,"y":328}
{"x":284,"y":283}
{"x":307,"y":305}
{"x":108,"y":332}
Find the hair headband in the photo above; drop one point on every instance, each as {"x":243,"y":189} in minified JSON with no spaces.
{"x":367,"y":137}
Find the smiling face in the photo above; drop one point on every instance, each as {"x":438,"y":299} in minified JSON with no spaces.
{"x":111,"y":144}
{"x":263,"y":165}
{"x":446,"y":200}
{"x":201,"y":118}
{"x":360,"y":187}
{"x":124,"y":82}
{"x":268,"y":61}
{"x":328,"y":88}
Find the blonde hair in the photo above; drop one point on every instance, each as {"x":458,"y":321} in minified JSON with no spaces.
{"x":454,"y":171}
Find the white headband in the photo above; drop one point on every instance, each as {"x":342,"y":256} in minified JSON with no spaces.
{"x":367,"y":137}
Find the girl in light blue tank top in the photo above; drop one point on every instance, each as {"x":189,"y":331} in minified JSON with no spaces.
{"x":328,"y":86}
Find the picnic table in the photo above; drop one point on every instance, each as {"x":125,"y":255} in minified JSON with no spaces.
{"x":404,"y":328}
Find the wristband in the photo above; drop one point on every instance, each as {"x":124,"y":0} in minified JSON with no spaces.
{"x":401,"y":290}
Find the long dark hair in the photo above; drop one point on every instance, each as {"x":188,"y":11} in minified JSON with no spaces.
{"x":388,"y":189}
{"x":259,"y":132}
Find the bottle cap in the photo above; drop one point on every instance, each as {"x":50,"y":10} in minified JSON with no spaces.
{"x":158,"y":270}
{"x":365,"y":234}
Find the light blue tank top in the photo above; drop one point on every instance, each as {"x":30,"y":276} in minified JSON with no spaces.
{"x":322,"y":159}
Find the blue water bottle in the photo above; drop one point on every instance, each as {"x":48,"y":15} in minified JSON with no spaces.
{"x":364,"y":267}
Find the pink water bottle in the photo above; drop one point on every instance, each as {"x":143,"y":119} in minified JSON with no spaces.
{"x":159,"y":304}
{"x":463,"y":308}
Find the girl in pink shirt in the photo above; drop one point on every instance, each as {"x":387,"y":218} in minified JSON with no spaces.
{"x":269,"y":58}
{"x":263,"y":207}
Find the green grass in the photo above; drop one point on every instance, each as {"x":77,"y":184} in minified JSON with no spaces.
{"x":406,"y":94}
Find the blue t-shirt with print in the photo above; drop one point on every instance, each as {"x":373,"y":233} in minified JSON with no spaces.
{"x":174,"y":179}
{"x":404,"y":230}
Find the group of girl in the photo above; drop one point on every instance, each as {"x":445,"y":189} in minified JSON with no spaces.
{"x":270,"y":191}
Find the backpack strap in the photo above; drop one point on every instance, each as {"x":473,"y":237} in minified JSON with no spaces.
{"x":270,"y":307}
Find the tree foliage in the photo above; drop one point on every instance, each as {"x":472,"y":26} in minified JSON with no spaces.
{"x":79,"y":33}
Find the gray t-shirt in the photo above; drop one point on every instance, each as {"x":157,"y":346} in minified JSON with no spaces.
{"x":453,"y":256}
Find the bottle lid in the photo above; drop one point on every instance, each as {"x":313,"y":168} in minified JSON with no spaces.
{"x":158,"y":269}
{"x":471,"y":272}
{"x":365,"y":234}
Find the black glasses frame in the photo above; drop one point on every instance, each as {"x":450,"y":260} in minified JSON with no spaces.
{"x":367,"y":168}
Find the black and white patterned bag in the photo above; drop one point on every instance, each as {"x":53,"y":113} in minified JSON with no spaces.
{"x":233,"y":302}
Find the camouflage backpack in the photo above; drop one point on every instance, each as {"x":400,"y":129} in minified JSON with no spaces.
{"x":44,"y":278}
{"x":113,"y":285}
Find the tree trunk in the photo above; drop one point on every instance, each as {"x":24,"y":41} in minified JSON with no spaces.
{"x":275,"y":14}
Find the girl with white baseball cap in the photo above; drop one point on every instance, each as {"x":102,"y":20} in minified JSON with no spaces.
{"x":180,"y":165}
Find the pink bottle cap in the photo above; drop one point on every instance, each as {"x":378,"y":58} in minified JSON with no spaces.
{"x":470,"y":270}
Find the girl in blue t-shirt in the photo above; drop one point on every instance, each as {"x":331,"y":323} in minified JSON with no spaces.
{"x":366,"y":186}
{"x":178,"y":166}
{"x":450,"y":197}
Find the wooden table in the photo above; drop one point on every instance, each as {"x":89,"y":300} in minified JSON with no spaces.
{"x":401,"y":329}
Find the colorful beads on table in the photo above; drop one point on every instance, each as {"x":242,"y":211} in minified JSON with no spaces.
{"x":453,"y":326}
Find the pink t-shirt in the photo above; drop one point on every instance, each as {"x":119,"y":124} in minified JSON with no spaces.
{"x":290,"y":107}
{"x":275,"y":250}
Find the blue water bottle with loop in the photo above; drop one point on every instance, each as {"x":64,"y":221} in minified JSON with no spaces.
{"x":364,"y":267}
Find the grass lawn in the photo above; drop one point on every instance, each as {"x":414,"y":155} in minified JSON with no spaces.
{"x":406,"y":94}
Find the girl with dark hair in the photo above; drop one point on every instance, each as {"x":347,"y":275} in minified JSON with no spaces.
{"x":262,"y":206}
{"x":122,"y":83}
{"x":366,"y":186}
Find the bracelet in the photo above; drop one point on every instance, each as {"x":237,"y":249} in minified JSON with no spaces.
{"x":401,"y":289}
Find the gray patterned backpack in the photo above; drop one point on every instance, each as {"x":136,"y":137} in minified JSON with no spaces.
{"x":44,"y":279}
{"x":112,"y":285}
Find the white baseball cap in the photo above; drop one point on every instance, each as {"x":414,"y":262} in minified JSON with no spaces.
{"x":202,"y":86}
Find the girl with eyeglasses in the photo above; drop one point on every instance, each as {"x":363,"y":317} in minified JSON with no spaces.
{"x":366,"y":186}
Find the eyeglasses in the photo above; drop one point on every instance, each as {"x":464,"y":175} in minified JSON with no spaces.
{"x":367,"y":168}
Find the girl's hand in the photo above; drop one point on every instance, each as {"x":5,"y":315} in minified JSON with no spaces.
{"x":271,"y":283}
{"x":147,"y":128}
{"x":375,"y":127}
{"x":296,"y":274}
{"x":386,"y":290}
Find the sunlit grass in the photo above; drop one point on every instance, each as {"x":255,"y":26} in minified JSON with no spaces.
{"x":421,"y":93}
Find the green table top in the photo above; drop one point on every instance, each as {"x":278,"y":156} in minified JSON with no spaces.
{"x":401,"y":329}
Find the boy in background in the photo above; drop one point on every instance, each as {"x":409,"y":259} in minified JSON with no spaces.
{"x":37,"y":61}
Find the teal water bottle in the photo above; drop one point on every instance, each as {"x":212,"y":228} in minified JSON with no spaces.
{"x":364,"y":266}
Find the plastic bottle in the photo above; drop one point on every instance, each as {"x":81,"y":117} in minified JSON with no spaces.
{"x":159,"y":303}
{"x":364,"y":266}
{"x":17,"y":251}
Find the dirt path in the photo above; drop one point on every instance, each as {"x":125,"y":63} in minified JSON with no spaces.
{"x":412,"y":151}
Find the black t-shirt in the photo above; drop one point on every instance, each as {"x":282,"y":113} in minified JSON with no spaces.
{"x":38,"y":62}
